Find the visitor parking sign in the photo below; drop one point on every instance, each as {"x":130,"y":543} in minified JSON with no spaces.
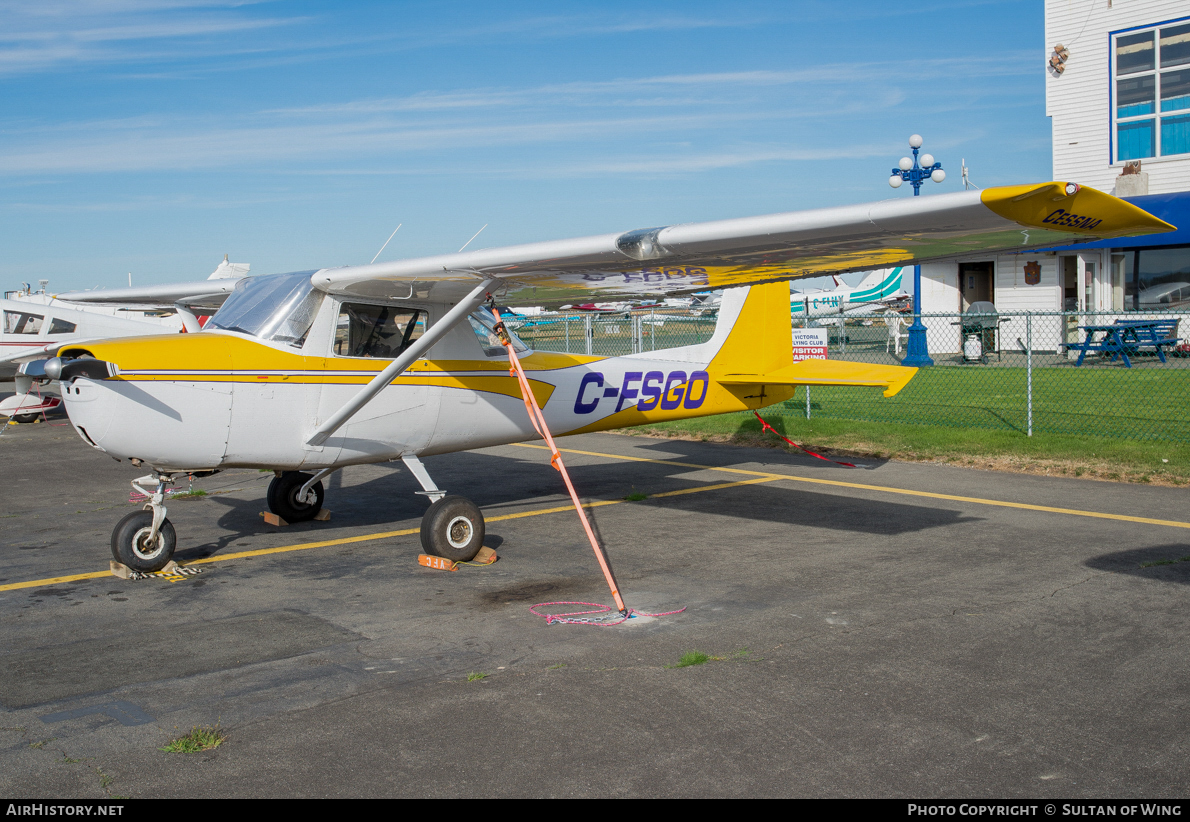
{"x":809,"y":344}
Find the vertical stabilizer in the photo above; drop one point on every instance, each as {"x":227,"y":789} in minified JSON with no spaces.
{"x":759,"y":341}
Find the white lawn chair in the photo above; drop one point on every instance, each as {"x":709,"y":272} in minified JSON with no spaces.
{"x":895,"y":323}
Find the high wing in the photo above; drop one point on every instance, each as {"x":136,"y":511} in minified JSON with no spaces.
{"x":697,"y":256}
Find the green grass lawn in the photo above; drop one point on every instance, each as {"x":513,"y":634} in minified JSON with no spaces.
{"x":1055,"y":454}
{"x":1097,"y":402}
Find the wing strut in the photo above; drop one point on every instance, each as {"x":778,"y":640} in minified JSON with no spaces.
{"x":434,"y":333}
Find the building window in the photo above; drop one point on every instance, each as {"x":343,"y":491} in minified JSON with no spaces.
{"x":1152,"y":92}
{"x":1157,"y":279}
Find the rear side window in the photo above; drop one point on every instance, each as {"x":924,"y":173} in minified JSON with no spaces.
{"x":18,"y":322}
{"x":58,"y":326}
{"x":381,"y":331}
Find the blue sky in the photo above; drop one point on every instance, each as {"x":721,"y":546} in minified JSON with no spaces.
{"x":154,"y":136}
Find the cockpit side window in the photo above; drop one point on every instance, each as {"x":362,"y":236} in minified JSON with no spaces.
{"x":18,"y":322}
{"x":380,"y":331}
{"x":58,"y":326}
{"x":483,"y":323}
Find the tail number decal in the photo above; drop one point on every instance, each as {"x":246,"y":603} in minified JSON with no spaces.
{"x":649,"y":389}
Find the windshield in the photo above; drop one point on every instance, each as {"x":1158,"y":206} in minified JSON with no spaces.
{"x":278,"y":307}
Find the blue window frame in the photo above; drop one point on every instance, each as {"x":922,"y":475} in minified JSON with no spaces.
{"x":1151,"y":70}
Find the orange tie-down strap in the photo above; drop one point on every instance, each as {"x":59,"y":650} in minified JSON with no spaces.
{"x":538,"y":419}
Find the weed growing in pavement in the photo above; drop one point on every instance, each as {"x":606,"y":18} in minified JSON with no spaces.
{"x":197,"y":493}
{"x":199,"y":739}
{"x":556,"y":667}
{"x":474,"y":677}
{"x":1164,"y":562}
{"x":636,"y":496}
{"x":691,"y":658}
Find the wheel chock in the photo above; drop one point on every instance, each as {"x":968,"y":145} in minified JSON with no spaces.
{"x":120,"y":570}
{"x":486,"y":556}
{"x":438,"y":563}
{"x":272,"y":519}
{"x":323,"y":516}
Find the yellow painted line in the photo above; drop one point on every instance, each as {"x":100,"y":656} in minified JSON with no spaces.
{"x":306,"y":546}
{"x":1076,"y":512}
{"x":12,"y":586}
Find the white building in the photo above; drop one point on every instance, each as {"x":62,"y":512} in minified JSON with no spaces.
{"x":1117,"y":77}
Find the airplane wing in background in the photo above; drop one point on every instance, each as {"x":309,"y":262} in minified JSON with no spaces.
{"x":676,"y":259}
{"x":200,"y":294}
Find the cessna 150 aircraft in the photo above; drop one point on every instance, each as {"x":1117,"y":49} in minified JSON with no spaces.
{"x":305,"y":373}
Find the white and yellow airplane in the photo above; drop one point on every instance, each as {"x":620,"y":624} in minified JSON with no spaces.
{"x":305,"y":373}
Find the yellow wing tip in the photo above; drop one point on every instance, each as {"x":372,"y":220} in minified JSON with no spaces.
{"x":1085,"y":211}
{"x":900,"y":382}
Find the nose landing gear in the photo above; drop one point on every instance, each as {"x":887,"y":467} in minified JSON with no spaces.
{"x":145,"y":540}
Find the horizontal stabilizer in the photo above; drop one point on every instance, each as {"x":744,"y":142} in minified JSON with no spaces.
{"x":892,"y":378}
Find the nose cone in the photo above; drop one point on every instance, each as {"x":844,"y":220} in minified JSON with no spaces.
{"x":163,"y":399}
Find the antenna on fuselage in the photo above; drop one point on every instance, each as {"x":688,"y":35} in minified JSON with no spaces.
{"x":386,"y":242}
{"x":130,"y":279}
{"x":473,"y":236}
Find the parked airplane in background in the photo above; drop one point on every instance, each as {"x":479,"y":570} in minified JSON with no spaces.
{"x":878,"y":291}
{"x":308,"y":372}
{"x":36,"y":323}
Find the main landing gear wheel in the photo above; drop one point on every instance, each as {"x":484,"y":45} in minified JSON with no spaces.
{"x":25,"y":417}
{"x":283,"y":497}
{"x":131,"y":546}
{"x":453,"y":528}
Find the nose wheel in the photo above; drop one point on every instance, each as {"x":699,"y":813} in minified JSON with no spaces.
{"x":453,"y":528}
{"x":134,"y":544}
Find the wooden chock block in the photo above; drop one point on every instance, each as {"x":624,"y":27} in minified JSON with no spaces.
{"x":486,"y":556}
{"x":272,"y":519}
{"x":323,"y":516}
{"x":121,"y":570}
{"x":171,"y":567}
{"x":439,"y":563}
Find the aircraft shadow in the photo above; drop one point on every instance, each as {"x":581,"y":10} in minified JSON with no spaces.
{"x":495,"y":482}
{"x":695,"y":452}
{"x":1167,"y":563}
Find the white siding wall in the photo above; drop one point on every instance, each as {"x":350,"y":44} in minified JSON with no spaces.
{"x":1079,"y":101}
{"x":1013,"y":294}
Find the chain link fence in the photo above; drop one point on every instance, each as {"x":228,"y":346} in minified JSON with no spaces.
{"x":1102,"y":374}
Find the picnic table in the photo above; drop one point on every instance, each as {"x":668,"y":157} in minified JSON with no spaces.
{"x":1124,"y":337}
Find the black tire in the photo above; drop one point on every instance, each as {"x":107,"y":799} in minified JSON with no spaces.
{"x":25,"y":417}
{"x":283,"y":501}
{"x":453,"y":528}
{"x":128,"y":543}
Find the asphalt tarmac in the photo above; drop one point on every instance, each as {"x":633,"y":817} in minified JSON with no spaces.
{"x":947,"y":632}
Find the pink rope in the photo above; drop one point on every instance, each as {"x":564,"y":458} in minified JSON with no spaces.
{"x":764,"y":426}
{"x":567,"y":618}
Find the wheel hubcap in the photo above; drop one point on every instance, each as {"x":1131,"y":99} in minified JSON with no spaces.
{"x":459,"y":531}
{"x":141,"y":547}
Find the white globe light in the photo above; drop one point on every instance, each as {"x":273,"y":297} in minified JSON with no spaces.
{"x":895,"y":181}
{"x":938,"y":175}
{"x":915,"y":141}
{"x":905,"y":164}
{"x":927,"y":160}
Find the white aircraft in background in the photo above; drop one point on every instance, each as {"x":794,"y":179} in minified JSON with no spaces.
{"x":878,"y":291}
{"x":308,"y":372}
{"x":36,"y":323}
